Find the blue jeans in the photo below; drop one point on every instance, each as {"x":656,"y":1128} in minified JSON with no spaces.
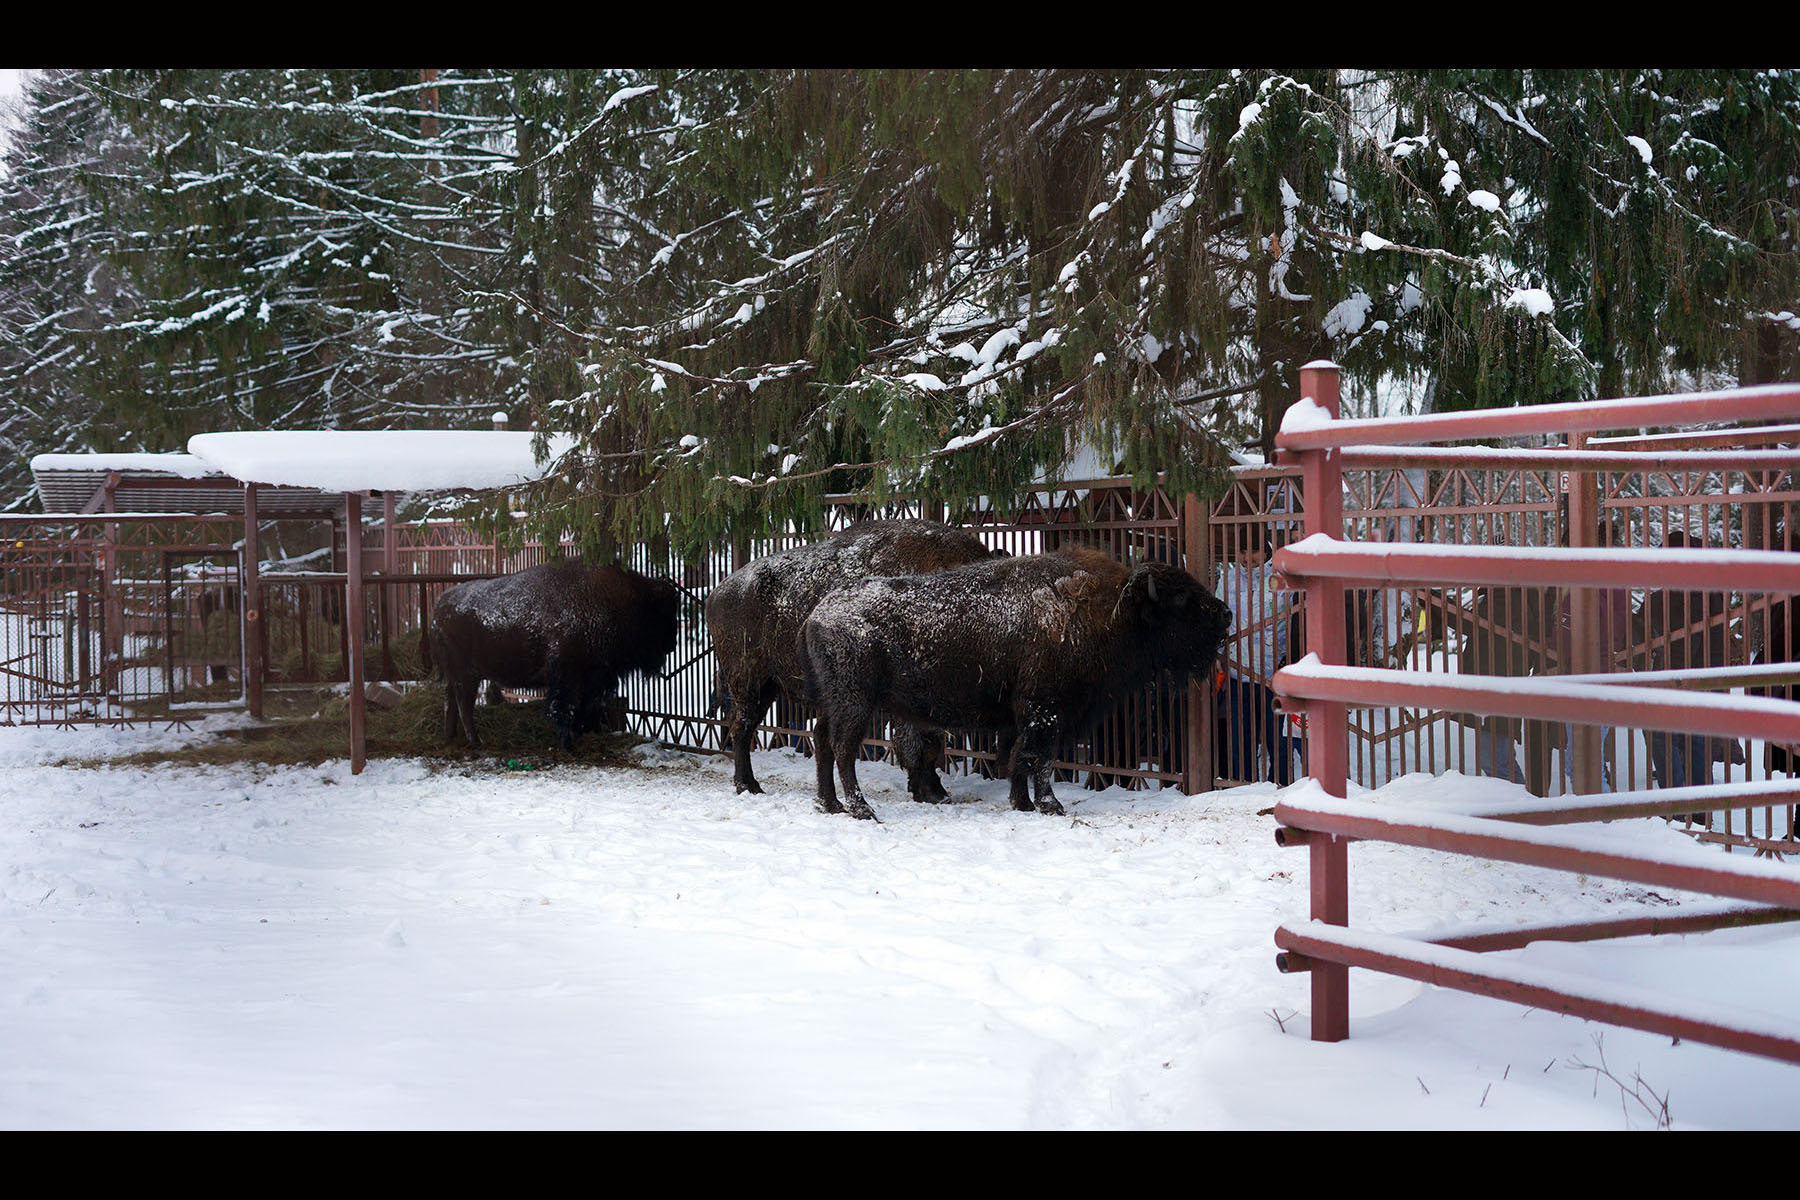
{"x":1679,"y":759}
{"x":1568,"y":757}
{"x":1249,"y":710}
{"x":1492,"y":748}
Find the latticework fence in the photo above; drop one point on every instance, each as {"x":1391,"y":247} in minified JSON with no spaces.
{"x":107,"y":614}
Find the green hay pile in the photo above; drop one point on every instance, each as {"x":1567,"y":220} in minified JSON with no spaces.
{"x":306,"y":728}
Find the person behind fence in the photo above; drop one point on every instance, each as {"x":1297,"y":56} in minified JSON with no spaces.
{"x":1256,"y":650}
{"x":1498,"y":631}
{"x":1680,"y":759}
{"x":1615,"y":630}
{"x":1781,"y":643}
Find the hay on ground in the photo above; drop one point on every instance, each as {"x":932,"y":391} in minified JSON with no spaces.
{"x":314,"y":727}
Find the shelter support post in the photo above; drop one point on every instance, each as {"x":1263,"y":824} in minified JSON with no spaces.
{"x":112,"y":600}
{"x":250,"y":605}
{"x":353,"y":627}
{"x":1327,"y":725}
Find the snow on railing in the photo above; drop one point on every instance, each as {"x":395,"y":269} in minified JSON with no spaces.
{"x":1317,"y":814}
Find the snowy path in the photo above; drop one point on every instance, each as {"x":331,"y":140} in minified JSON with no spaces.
{"x":226,"y":947}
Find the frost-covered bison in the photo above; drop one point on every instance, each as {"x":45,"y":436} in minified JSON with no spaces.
{"x":569,"y":628}
{"x":755,"y":616}
{"x":1027,"y":646}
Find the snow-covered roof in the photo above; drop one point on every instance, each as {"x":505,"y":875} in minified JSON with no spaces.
{"x":1086,"y":462}
{"x":387,"y":460}
{"x":313,"y":467}
{"x":180,"y":466}
{"x":70,"y":483}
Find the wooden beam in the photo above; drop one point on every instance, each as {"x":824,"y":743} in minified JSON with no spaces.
{"x":353,"y":627}
{"x":250,"y":623}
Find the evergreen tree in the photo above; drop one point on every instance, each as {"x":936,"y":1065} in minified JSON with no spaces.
{"x":861,"y":280}
{"x":302,"y":247}
{"x":744,"y":290}
{"x":56,"y":286}
{"x":1561,"y":235}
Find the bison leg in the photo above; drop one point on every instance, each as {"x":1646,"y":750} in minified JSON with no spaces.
{"x":828,"y":801}
{"x":1006,"y":762}
{"x":842,"y":739}
{"x":1045,"y":799}
{"x":564,"y":708}
{"x":1033,"y":758}
{"x":746,"y":715}
{"x":463,"y":691}
{"x":921,"y":754}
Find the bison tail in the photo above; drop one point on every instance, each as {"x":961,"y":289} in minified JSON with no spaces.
{"x":810,"y":682}
{"x":716,"y":702}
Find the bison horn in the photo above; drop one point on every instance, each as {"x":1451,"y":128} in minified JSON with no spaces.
{"x":1150,"y":586}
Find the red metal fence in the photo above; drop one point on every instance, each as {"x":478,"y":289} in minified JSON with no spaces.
{"x":104,"y":617}
{"x":158,"y":599}
{"x":1321,"y":817}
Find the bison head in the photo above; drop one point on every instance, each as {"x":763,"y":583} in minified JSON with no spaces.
{"x":1175,"y":617}
{"x":660,"y":607}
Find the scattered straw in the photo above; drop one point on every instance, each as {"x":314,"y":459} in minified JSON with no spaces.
{"x":314,"y":727}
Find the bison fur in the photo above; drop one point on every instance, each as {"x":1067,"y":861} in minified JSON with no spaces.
{"x":754,"y":617}
{"x":1030,"y":647}
{"x":569,"y":628}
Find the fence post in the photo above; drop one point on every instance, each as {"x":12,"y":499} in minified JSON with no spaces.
{"x":250,"y":605}
{"x":112,"y":599}
{"x":353,"y":626}
{"x":1197,"y":759}
{"x":1327,"y":727}
{"x":1589,"y":649}
{"x":390,"y":567}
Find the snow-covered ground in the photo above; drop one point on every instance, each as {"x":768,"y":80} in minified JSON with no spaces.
{"x":414,"y":947}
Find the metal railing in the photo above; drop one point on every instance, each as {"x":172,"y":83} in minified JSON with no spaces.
{"x":1319,"y":816}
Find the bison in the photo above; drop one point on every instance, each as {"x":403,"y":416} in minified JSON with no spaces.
{"x":755,"y":617}
{"x":1026,"y":646}
{"x":569,"y":628}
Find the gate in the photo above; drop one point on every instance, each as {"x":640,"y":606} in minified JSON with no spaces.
{"x":116,"y":618}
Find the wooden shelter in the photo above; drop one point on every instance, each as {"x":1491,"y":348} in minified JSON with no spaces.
{"x":304,"y":474}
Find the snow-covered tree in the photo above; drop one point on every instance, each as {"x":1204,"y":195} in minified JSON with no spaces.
{"x":939,"y":282}
{"x":56,"y":286}
{"x":743,"y":290}
{"x":1560,"y":235}
{"x":926,"y":282}
{"x":303,"y":242}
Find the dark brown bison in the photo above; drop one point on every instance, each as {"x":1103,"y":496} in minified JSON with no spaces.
{"x":1030,"y":647}
{"x":571,"y":629}
{"x":754,"y":617}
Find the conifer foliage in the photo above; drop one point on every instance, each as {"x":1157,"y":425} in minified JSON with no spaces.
{"x":744,"y":290}
{"x":56,"y":284}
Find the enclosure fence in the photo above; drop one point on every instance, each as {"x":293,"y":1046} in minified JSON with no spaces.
{"x":1580,"y":696}
{"x":109,"y":617}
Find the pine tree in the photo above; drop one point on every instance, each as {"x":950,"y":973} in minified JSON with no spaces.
{"x":284,"y":234}
{"x":1561,"y":235}
{"x":745,"y":290}
{"x":56,"y":286}
{"x":851,"y":283}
